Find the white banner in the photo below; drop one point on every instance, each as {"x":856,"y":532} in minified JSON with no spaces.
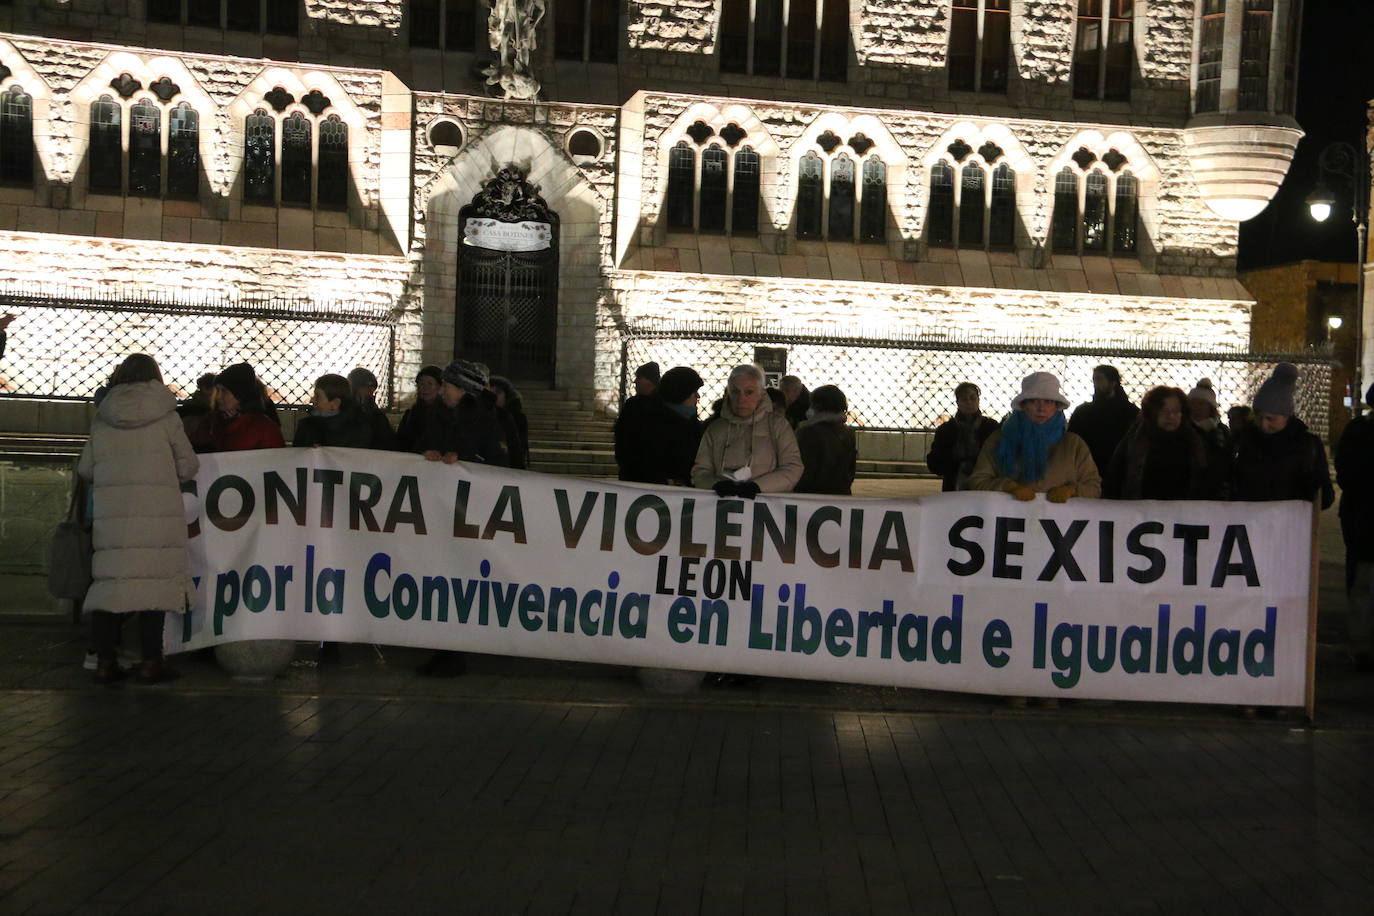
{"x":1174,"y":601}
{"x":527,"y":235}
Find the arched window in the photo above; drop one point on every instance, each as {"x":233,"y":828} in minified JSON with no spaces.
{"x":682,"y":178}
{"x":799,"y":39}
{"x":972,"y":206}
{"x":940,"y":213}
{"x":1104,"y":53}
{"x":745,"y":203}
{"x":841,"y":226}
{"x":333,"y":180}
{"x":810,"y":196}
{"x":873,"y":213}
{"x":259,"y":157}
{"x":1002,"y":212}
{"x":295,"y":160}
{"x":714,"y":188}
{"x":16,"y":137}
{"x":183,"y":151}
{"x":1095,"y":206}
{"x":979,"y":45}
{"x":717,"y":191}
{"x":145,"y":149}
{"x":105,"y":155}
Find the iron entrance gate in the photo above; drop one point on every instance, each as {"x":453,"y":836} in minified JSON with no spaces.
{"x":508,"y":280}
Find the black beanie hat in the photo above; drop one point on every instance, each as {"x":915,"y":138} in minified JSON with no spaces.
{"x":1276,"y":394}
{"x":242,"y":383}
{"x":467,"y":375}
{"x":678,"y":384}
{"x":433,"y":372}
{"x":648,"y":371}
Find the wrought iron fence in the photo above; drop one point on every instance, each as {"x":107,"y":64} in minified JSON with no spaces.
{"x":65,"y":343}
{"x":907,"y":382}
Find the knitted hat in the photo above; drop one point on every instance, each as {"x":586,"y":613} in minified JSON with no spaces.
{"x":241,"y":381}
{"x":433,"y":372}
{"x":1204,"y":392}
{"x":1040,"y":386}
{"x":648,"y":371}
{"x":1276,"y":394}
{"x":466,"y":375}
{"x":361,"y":378}
{"x":678,"y":384}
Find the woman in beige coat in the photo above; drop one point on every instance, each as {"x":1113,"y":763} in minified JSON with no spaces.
{"x":136,"y":458}
{"x":1034,"y":452}
{"x":748,"y":449}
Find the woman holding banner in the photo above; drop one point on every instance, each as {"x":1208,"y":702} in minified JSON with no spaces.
{"x":1165,"y":456}
{"x":1276,"y":456}
{"x":1034,"y":452}
{"x":750,"y":449}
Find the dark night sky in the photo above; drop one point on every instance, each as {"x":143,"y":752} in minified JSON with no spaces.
{"x":1335,"y":81}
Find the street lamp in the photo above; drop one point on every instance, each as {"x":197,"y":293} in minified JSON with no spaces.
{"x":1341,"y":160}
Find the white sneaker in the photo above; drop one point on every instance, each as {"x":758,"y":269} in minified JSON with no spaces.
{"x":91,"y":660}
{"x":126,"y":660}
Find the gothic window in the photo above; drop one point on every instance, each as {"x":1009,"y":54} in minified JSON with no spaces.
{"x":798,"y":39}
{"x":295,"y":160}
{"x":842,"y":191}
{"x":1096,"y":210}
{"x":979,"y":45}
{"x":1256,"y":28}
{"x":105,"y":154}
{"x":145,"y":149}
{"x":586,"y":30}
{"x":1104,"y":51}
{"x":16,"y":137}
{"x":333,"y":181}
{"x":717,"y":191}
{"x":264,"y":17}
{"x":183,"y":151}
{"x":975,"y":194}
{"x":259,"y":157}
{"x":448,"y":24}
{"x":1208,"y":96}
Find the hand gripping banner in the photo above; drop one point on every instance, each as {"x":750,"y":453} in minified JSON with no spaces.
{"x":1168,"y":601}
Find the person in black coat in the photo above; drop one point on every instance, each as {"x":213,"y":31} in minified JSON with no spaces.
{"x":829,"y":453}
{"x":1276,"y":456}
{"x":656,"y":437}
{"x":428,"y":381}
{"x":5,"y":323}
{"x":334,"y":419}
{"x":796,"y":397}
{"x":1164,"y":456}
{"x":364,"y":385}
{"x":958,"y":440}
{"x":1102,"y":423}
{"x":508,"y":399}
{"x":1355,"y":474}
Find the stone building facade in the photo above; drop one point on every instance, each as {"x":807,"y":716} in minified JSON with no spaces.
{"x":1071,"y":170}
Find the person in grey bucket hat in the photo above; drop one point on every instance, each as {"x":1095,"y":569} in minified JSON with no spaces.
{"x":1276,"y":456}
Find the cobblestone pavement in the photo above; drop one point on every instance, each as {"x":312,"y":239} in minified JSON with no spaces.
{"x":163,"y":800}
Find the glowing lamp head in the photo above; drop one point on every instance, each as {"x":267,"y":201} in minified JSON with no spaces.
{"x":1334,"y":321}
{"x":1319,"y":202}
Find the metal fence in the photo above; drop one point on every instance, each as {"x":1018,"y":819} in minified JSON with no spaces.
{"x":65,"y":343}
{"x":897,"y":382}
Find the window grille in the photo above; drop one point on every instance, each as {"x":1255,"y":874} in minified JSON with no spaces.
{"x":183,"y":151}
{"x":333,"y":180}
{"x":1096,"y":208}
{"x":106,"y":151}
{"x":295,"y":160}
{"x":145,"y":149}
{"x":717,"y":191}
{"x":976,"y":195}
{"x":259,"y":157}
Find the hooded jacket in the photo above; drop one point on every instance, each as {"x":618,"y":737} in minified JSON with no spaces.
{"x":136,"y":458}
{"x":763,"y":441}
{"x":829,"y":455}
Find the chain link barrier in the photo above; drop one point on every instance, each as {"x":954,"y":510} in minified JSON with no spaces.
{"x":906,"y":383}
{"x":65,"y":344}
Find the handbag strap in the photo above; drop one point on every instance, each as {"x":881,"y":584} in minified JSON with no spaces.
{"x":74,"y":509}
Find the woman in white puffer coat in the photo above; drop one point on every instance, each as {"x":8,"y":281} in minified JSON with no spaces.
{"x":136,"y":458}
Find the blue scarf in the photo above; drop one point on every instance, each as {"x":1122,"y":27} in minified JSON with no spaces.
{"x":1026,"y":445}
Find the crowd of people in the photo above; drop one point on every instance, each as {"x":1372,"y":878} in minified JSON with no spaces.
{"x":756,"y":439}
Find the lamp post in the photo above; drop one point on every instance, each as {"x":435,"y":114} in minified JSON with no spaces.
{"x":1343,"y":161}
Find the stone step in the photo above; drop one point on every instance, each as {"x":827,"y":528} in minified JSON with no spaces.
{"x":579,"y":425}
{"x":573,"y":445}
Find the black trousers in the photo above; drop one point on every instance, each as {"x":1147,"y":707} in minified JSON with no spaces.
{"x":105,"y":627}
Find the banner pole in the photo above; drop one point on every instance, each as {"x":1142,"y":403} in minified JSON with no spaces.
{"x":1314,"y":570}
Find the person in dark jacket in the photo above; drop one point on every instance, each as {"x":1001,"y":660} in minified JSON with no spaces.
{"x":646,"y":379}
{"x":241,"y":419}
{"x":656,"y":438}
{"x":334,"y":418}
{"x":463,"y":428}
{"x":828,"y":450}
{"x":364,"y":385}
{"x":958,"y":440}
{"x":428,"y":381}
{"x":1164,"y":456}
{"x":509,"y":400}
{"x":1355,"y":474}
{"x":1202,"y":410}
{"x":797,"y":398}
{"x":517,"y":450}
{"x":5,"y":323}
{"x":1102,"y":423}
{"x":1276,"y":456}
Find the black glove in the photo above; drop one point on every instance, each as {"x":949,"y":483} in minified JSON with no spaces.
{"x":725,"y":488}
{"x":748,"y":489}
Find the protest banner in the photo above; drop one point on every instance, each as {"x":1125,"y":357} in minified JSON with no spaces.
{"x":977,"y":592}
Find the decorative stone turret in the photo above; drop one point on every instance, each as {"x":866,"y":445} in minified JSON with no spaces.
{"x":1239,"y":167}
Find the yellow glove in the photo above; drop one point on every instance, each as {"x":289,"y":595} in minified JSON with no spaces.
{"x":1061,"y":494}
{"x":1019,"y":490}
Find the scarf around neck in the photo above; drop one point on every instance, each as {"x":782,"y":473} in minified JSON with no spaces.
{"x":1025,"y":445}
